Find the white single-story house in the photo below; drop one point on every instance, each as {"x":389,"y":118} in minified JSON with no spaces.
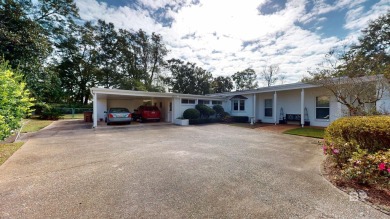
{"x":301,"y":103}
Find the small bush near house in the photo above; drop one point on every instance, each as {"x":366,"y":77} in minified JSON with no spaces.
{"x":191,"y":114}
{"x":360,"y":146}
{"x":218,"y":110}
{"x":205,"y":111}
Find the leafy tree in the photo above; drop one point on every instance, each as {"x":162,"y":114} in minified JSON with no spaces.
{"x":187,"y":78}
{"x":27,"y":32}
{"x":15,"y":102}
{"x":270,"y":74}
{"x":221,"y":84}
{"x":356,"y":76}
{"x":77,"y":65}
{"x":245,"y":79}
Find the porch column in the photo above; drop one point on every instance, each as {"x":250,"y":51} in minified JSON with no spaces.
{"x":254,"y":108}
{"x":274,"y":108}
{"x":303,"y":107}
{"x":95,"y":110}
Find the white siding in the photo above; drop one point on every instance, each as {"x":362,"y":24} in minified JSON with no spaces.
{"x":383,"y":105}
{"x":101,"y":107}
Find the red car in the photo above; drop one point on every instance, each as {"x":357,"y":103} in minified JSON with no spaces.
{"x":145,"y":113}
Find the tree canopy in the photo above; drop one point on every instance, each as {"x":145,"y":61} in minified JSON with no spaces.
{"x":245,"y":79}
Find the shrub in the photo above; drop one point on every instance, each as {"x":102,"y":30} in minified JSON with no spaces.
{"x":15,"y":102}
{"x":204,"y":110}
{"x":346,"y":135}
{"x":218,"y":110}
{"x":50,"y":113}
{"x":361,"y":148}
{"x":367,"y":168}
{"x":191,"y":114}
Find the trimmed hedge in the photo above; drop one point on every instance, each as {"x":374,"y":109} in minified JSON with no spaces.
{"x":204,"y":110}
{"x":348,"y":134}
{"x":191,"y":114}
{"x":361,"y":147}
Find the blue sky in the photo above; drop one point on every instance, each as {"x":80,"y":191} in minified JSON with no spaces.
{"x":229,"y":36}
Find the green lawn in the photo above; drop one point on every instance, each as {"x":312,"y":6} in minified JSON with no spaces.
{"x":75,"y":116}
{"x":33,"y":125}
{"x":307,"y":132}
{"x":7,"y":149}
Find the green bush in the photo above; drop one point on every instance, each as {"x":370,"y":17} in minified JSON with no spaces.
{"x":205,"y":111}
{"x":191,"y":114}
{"x":15,"y":102}
{"x":360,"y":146}
{"x":50,"y":113}
{"x":346,"y":135}
{"x":218,"y":110}
{"x":367,"y":168}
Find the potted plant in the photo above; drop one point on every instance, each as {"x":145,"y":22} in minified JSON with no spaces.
{"x":182,"y":121}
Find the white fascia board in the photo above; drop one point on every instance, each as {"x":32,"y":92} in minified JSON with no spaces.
{"x":149,"y":94}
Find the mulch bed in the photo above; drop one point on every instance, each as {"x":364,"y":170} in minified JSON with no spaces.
{"x":377,"y":197}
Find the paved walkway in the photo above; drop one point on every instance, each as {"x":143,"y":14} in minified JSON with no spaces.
{"x":208,"y":171}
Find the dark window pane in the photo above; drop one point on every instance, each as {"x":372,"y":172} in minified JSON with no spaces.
{"x":216,"y":102}
{"x":184,"y":101}
{"x":268,"y":112}
{"x":235,"y":105}
{"x":322,"y":101}
{"x":242,"y":104}
{"x":268,"y":103}
{"x":322,"y":113}
{"x":191,"y":101}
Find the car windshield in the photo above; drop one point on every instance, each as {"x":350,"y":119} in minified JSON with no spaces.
{"x":119,"y":110}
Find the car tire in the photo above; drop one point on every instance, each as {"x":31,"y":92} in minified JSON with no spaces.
{"x":108,"y":123}
{"x":158,"y":120}
{"x":129,"y":123}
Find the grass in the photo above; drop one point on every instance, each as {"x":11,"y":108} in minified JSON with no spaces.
{"x":307,"y":132}
{"x":75,"y":116}
{"x":33,"y":125}
{"x":7,"y":149}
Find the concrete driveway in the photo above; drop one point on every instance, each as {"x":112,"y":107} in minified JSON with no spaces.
{"x":213,"y":171}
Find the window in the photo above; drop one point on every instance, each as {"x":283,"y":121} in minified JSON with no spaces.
{"x":170,"y":106}
{"x":238,"y":105}
{"x":322,"y":107}
{"x":268,"y":107}
{"x":205,"y":102}
{"x":187,"y":101}
{"x":216,"y":102}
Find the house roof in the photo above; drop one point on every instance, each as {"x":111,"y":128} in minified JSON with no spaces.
{"x":283,"y":87}
{"x":132,"y":93}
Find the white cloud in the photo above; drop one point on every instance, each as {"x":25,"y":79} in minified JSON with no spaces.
{"x":213,"y":33}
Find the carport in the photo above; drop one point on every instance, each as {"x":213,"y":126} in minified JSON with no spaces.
{"x":170,"y":104}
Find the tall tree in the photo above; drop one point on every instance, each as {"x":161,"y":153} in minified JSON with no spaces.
{"x":245,"y":79}
{"x":107,"y":38}
{"x":356,"y":76}
{"x":27,"y":32}
{"x":77,"y":66}
{"x":270,"y":74}
{"x":221,"y":84}
{"x":187,"y":78}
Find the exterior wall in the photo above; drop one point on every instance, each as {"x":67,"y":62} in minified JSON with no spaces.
{"x":101,"y":107}
{"x":248,"y":107}
{"x":383,"y":105}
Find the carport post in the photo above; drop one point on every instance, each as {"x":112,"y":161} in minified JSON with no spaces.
{"x":94,"y":110}
{"x":302,"y":107}
{"x":274,"y":109}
